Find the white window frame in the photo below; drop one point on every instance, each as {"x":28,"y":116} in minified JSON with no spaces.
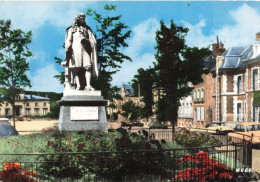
{"x":45,"y":111}
{"x":238,"y":86}
{"x":198,"y":95}
{"x":28,"y":111}
{"x":198,"y":113}
{"x":202,"y":94}
{"x":241,"y":114}
{"x":252,"y":79}
{"x":202,"y":113}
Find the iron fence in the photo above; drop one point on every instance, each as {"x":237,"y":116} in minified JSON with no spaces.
{"x":145,"y":165}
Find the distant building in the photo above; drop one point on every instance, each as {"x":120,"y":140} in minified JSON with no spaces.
{"x":26,"y":105}
{"x":127,"y":94}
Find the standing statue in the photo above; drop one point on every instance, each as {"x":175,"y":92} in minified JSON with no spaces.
{"x":81,"y":55}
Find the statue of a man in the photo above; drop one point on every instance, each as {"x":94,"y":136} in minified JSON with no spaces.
{"x":81,"y":55}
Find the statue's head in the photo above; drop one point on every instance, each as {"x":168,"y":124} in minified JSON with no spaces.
{"x":80,"y":19}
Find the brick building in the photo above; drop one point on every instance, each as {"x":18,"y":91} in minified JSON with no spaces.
{"x":202,"y":107}
{"x":237,"y":77}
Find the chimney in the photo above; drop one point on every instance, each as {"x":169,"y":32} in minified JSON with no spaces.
{"x":217,"y":49}
{"x":257,"y":36}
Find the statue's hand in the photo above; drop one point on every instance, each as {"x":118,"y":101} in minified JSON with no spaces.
{"x":63,"y":63}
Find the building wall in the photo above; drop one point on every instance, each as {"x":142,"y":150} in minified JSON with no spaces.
{"x":43,"y":107}
{"x":185,"y":117}
{"x":207,"y":104}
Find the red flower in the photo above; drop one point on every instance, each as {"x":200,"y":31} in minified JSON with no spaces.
{"x":50,"y":143}
{"x":100,"y":135}
{"x":69,"y":138}
{"x":95,"y":142}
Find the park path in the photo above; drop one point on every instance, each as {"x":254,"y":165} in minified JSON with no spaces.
{"x":256,"y":160}
{"x":34,"y":125}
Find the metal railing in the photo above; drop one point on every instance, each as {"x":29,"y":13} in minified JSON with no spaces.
{"x":145,"y":165}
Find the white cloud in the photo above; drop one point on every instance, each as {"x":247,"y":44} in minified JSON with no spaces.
{"x":241,"y":32}
{"x":43,"y":80}
{"x":140,"y":50}
{"x":31,"y":15}
{"x":129,"y":69}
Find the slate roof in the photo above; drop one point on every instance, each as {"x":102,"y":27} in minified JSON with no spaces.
{"x":209,"y":63}
{"x":234,"y":57}
{"x":35,"y":97}
{"x":128,"y":90}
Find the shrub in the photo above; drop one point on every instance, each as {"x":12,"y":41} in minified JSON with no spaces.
{"x":112,"y":161}
{"x":193,"y":139}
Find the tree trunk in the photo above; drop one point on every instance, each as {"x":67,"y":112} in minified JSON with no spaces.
{"x":13,"y":114}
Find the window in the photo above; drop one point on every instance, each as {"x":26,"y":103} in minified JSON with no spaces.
{"x":255,"y":79}
{"x":198,"y":95}
{"x":44,"y":104}
{"x":45,"y":110}
{"x":194,"y":95}
{"x":202,"y":94}
{"x":7,"y":111}
{"x":239,"y":84}
{"x":36,"y":111}
{"x":198,"y":113}
{"x":27,"y":104}
{"x":202,"y":114}
{"x":28,"y":111}
{"x":239,"y":112}
{"x":6,"y":104}
{"x":255,"y":114}
{"x":36,"y":104}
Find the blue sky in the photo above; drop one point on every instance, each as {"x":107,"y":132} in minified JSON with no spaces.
{"x":234,"y":22}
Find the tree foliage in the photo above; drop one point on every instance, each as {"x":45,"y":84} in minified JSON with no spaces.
{"x":111,"y":35}
{"x":146,"y":78}
{"x":177,"y":65}
{"x":14,"y":52}
{"x":130,"y":110}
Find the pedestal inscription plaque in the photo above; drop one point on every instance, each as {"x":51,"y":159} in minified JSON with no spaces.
{"x":84,"y":113}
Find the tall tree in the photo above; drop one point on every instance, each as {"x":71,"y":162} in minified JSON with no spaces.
{"x":177,"y":65}
{"x":13,"y":54}
{"x":146,"y":79}
{"x":130,"y":110}
{"x":111,"y":36}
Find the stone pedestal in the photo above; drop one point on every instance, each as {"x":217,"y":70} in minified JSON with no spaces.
{"x":82,"y":110}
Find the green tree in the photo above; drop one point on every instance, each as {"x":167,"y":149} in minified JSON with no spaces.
{"x":111,"y":35}
{"x":130,"y":110}
{"x":177,"y":65}
{"x":13,"y":54}
{"x":146,"y":78}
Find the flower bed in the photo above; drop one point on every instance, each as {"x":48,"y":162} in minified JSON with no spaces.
{"x":205,"y":169}
{"x":14,"y":172}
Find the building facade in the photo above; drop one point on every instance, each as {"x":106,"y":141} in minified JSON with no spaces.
{"x":26,"y":105}
{"x":237,"y":78}
{"x":201,"y":110}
